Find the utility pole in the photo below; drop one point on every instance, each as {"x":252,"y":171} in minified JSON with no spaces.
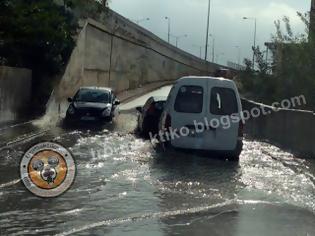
{"x":200,"y":50}
{"x":169,"y":29}
{"x":213,"y":49}
{"x":238,"y":55}
{"x":255,"y":35}
{"x":207,"y":35}
{"x":213,"y":46}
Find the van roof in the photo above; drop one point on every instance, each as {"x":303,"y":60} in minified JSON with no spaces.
{"x":221,"y":79}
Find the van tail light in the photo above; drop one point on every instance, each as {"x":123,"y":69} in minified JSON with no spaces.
{"x":168,"y":122}
{"x":241,"y":130}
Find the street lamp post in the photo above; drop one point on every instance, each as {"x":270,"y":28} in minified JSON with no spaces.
{"x":178,"y":38}
{"x":208,"y":25}
{"x":200,"y":49}
{"x":238,"y":55}
{"x":255,"y":34}
{"x":213,"y":46}
{"x":169,"y":29}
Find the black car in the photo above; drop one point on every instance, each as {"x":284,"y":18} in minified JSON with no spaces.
{"x":93,"y":104}
{"x":149,"y":115}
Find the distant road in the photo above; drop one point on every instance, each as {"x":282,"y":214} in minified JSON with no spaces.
{"x":164,"y":91}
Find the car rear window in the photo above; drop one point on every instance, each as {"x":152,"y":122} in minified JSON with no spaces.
{"x":223,"y":101}
{"x":189,"y":99}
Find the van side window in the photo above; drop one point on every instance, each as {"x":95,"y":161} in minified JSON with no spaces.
{"x":223,"y":101}
{"x":189,"y":99}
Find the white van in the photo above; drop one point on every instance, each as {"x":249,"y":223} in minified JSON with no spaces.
{"x":203,"y":113}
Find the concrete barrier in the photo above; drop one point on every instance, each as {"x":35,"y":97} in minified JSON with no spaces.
{"x":15,"y":91}
{"x":291,"y":129}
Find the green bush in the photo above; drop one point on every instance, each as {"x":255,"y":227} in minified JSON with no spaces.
{"x":292,"y":72}
{"x":37,"y":35}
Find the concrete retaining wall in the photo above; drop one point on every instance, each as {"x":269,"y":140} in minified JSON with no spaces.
{"x":291,"y":129}
{"x":124,"y":56}
{"x":15,"y":91}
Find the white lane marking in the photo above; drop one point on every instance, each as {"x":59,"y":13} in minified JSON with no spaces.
{"x":23,"y":139}
{"x":16,"y":125}
{"x":188,"y":211}
{"x":11,"y":183}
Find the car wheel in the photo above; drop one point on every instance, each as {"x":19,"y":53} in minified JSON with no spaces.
{"x":67,"y":120}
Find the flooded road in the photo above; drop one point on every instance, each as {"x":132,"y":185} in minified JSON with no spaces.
{"x":124,"y":187}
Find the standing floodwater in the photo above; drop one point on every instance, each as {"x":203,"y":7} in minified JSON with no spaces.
{"x":123,"y":186}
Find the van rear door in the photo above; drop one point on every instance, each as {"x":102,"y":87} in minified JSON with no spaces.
{"x":204,"y":107}
{"x":187,"y":107}
{"x":223,"y":102}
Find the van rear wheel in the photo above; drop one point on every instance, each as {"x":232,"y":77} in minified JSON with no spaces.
{"x":235,"y":156}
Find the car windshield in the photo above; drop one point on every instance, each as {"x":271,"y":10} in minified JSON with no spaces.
{"x":90,"y":95}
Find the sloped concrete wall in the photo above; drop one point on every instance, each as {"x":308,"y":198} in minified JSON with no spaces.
{"x":122,"y":55}
{"x":291,"y":129}
{"x":15,"y":91}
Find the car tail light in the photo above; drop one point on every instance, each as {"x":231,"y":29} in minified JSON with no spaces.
{"x":168,"y":121}
{"x":151,"y":110}
{"x":241,"y":129}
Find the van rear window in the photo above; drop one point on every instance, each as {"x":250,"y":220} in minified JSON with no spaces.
{"x":223,"y":101}
{"x":189,"y":99}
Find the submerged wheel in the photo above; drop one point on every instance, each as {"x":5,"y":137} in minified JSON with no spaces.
{"x":235,"y":156}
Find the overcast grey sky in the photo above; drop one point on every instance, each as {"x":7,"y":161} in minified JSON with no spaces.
{"x":189,"y":17}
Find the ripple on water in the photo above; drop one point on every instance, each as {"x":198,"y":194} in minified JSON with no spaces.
{"x":270,"y":170}
{"x":132,"y":184}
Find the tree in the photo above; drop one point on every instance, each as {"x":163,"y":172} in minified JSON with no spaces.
{"x":37,"y":35}
{"x":260,"y":60}
{"x":248,"y":65}
{"x":292,"y":68}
